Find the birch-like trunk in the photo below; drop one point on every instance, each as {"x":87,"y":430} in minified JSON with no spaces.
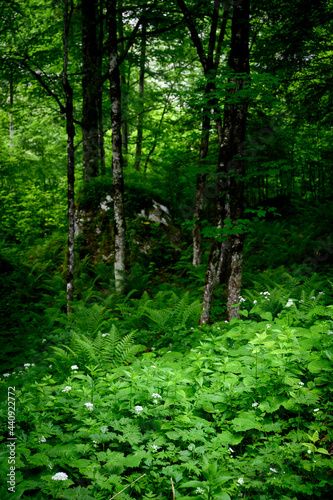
{"x":91,"y":83}
{"x":117,"y":159}
{"x":70,"y":160}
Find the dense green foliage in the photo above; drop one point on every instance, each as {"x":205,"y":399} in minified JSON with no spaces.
{"x":127,"y":392}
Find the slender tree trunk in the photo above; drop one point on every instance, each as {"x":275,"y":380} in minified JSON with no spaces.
{"x":70,"y":159}
{"x":124,"y":91}
{"x":141,"y":99}
{"x":100,"y":89}
{"x":11,"y":105}
{"x":91,"y":83}
{"x":117,"y":161}
{"x":231,"y":169}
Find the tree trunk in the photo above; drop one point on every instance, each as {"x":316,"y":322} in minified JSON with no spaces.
{"x":117,"y":161}
{"x":231,"y":168}
{"x":70,"y":160}
{"x":141,"y":99}
{"x":100,"y":90}
{"x":91,"y":83}
{"x":11,"y":105}
{"x":124,"y":90}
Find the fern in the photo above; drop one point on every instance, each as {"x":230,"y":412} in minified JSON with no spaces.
{"x":107,"y":350}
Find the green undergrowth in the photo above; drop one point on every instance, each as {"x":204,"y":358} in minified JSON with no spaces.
{"x":227,"y":411}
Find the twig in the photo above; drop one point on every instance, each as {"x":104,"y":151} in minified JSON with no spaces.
{"x":127,"y":487}
{"x":173,"y":489}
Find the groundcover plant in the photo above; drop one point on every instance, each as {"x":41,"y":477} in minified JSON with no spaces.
{"x":245,"y":412}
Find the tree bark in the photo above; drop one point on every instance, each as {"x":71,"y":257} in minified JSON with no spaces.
{"x":70,"y":160}
{"x":91,"y":83}
{"x":231,"y":169}
{"x":141,"y":99}
{"x":117,"y":159}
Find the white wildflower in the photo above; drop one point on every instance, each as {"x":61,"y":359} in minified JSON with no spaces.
{"x":317,"y":409}
{"x":314,"y":298}
{"x":153,"y":366}
{"x":74,"y":367}
{"x":254,"y":405}
{"x":301,"y":383}
{"x":26,"y":365}
{"x":231,"y":450}
{"x":156,"y":396}
{"x":255,"y":301}
{"x":218,"y":328}
{"x":105,"y":334}
{"x":268,"y":326}
{"x":42,"y":439}
{"x":154,"y":447}
{"x":289,"y":303}
{"x":67,"y":388}
{"x":6,"y":374}
{"x":329,"y":333}
{"x":321,"y":293}
{"x":60,"y":476}
{"x":192,"y":328}
{"x":89,"y":406}
{"x":300,"y":301}
{"x":138,"y":410}
{"x":168,"y":352}
{"x":240,"y":480}
{"x":273,"y":470}
{"x":241,"y":299}
{"x":309,"y":452}
{"x":50,"y":366}
{"x":199,"y":491}
{"x":44,"y":340}
{"x":153,"y":349}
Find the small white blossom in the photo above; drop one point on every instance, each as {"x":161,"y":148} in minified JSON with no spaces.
{"x":329,"y":333}
{"x":42,"y":439}
{"x":138,"y":410}
{"x":44,"y":340}
{"x":156,"y":396}
{"x":317,"y":409}
{"x":254,"y":405}
{"x":289,"y":303}
{"x":89,"y":406}
{"x":199,"y":491}
{"x":301,"y":383}
{"x":268,"y":326}
{"x":309,"y":452}
{"x":240,"y":480}
{"x":168,"y":352}
{"x":273,"y":470}
{"x":192,"y":328}
{"x":241,"y":299}
{"x":314,"y":298}
{"x":154,"y":447}
{"x":33,"y":364}
{"x":105,"y":334}
{"x":300,"y":301}
{"x":153,"y":366}
{"x":231,"y":450}
{"x":153,"y":349}
{"x":321,"y":293}
{"x":26,"y":365}
{"x":6,"y":374}
{"x":74,"y":367}
{"x":50,"y":366}
{"x":226,"y":321}
{"x":255,"y":301}
{"x":50,"y":466}
{"x":218,"y":328}
{"x":67,"y":388}
{"x":60,"y":476}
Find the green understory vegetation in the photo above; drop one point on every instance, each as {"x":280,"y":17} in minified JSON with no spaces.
{"x":129,"y":392}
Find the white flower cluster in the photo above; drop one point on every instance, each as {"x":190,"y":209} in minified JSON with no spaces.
{"x":60,"y":476}
{"x":254,"y":405}
{"x":42,"y":439}
{"x":199,"y":491}
{"x":67,"y":388}
{"x":89,"y":406}
{"x":155,"y":397}
{"x":138,"y":409}
{"x":74,"y":367}
{"x":265,"y":295}
{"x":241,"y":299}
{"x":301,"y":384}
{"x":154,"y":447}
{"x":289,"y":303}
{"x":240,"y":480}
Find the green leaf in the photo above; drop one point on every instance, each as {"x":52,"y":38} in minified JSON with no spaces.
{"x":173,"y":435}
